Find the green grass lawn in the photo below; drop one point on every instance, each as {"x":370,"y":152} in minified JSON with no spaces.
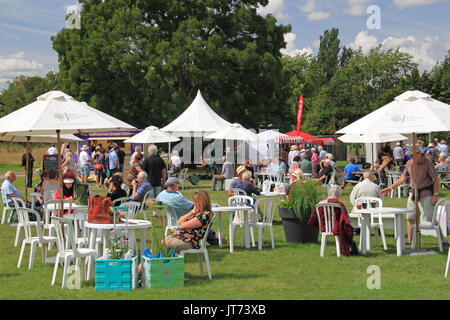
{"x":289,"y":272}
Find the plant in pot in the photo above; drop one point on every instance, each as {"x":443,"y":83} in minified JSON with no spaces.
{"x":296,"y":209}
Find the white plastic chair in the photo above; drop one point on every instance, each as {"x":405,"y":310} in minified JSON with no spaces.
{"x":433,"y":225}
{"x":133,"y":208}
{"x":40,"y":239}
{"x":329,"y":213}
{"x":48,"y":213}
{"x":393,"y":176}
{"x":183,"y":177}
{"x":144,"y":207}
{"x":239,"y":217}
{"x":6,"y":208}
{"x":376,"y":221}
{"x":120,"y":201}
{"x":171,"y":217}
{"x":19,"y":203}
{"x":238,"y":192}
{"x":68,"y":255}
{"x":267,"y":206}
{"x":200,"y":251}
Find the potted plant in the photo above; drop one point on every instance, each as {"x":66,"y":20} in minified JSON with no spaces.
{"x":296,"y":209}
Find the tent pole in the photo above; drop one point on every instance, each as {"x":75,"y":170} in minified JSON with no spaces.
{"x":58,"y":148}
{"x":169,"y":151}
{"x":27,"y":169}
{"x":416,"y":202}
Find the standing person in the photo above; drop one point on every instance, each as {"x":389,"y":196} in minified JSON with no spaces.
{"x":227,"y":173}
{"x":99,"y":166}
{"x":292,"y":154}
{"x":137,"y":150}
{"x":398,"y":155}
{"x":52,"y":150}
{"x":27,"y":164}
{"x":387,"y":148}
{"x":175,"y":162}
{"x":314,"y":162}
{"x":113,"y":161}
{"x":156,"y":170}
{"x":64,"y":150}
{"x":306,"y":164}
{"x":69,"y":164}
{"x":427,"y":183}
{"x":322,"y":153}
{"x":121,"y":156}
{"x":85,"y":161}
{"x":443,"y":149}
{"x":432,"y":151}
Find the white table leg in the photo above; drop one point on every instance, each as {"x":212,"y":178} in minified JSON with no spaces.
{"x":231,"y":233}
{"x":400,"y":234}
{"x":105,"y":236}
{"x":363,"y":233}
{"x":219,"y":228}
{"x":368,"y":219}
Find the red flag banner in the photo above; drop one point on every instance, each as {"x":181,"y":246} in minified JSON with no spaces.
{"x":300,"y":113}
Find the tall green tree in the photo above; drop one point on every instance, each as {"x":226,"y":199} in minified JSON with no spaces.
{"x":440,"y":79}
{"x":24,"y":90}
{"x":144,"y":60}
{"x":328,"y":56}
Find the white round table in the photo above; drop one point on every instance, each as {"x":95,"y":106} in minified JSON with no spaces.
{"x":105,"y":229}
{"x":399,"y":225}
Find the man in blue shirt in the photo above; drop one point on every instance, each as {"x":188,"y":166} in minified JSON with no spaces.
{"x":9,"y":191}
{"x":113,"y":161}
{"x":350,"y":168}
{"x":171,"y":197}
{"x":140,"y":187}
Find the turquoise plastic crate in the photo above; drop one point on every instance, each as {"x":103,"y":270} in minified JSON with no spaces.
{"x":115,"y":274}
{"x":163,"y":272}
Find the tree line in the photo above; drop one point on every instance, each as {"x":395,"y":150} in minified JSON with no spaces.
{"x":143,"y":61}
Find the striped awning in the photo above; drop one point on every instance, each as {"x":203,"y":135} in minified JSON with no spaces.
{"x":289,"y":139}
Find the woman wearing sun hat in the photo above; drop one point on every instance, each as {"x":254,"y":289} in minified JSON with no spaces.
{"x":292,"y":154}
{"x":238,"y":178}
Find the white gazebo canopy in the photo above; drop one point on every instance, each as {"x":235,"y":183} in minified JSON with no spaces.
{"x":152,"y":134}
{"x":410,"y":112}
{"x":40,"y":138}
{"x":269,"y":136}
{"x":234,"y":132}
{"x":54,"y":111}
{"x":197,"y":120}
{"x":371,"y":138}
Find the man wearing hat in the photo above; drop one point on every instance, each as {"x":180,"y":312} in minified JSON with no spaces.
{"x":173,"y":198}
{"x":427,"y":183}
{"x":292,"y":154}
{"x":85,"y":161}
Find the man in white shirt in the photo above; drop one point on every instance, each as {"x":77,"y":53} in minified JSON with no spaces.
{"x":52,"y":150}
{"x":366,"y":188}
{"x":85,"y":159}
{"x":443,"y":149}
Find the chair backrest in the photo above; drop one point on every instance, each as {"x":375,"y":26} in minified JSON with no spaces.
{"x":370,"y":202}
{"x":183,"y":173}
{"x":64,"y":236}
{"x":120,"y":201}
{"x":307,"y":176}
{"x":171,"y":216}
{"x":56,"y":203}
{"x":147,"y":195}
{"x":238,"y":192}
{"x":18,"y":202}
{"x":267,"y":206}
{"x":439,"y":208}
{"x":240,"y":200}
{"x":329,"y":211}
{"x":133,"y":208}
{"x":24,"y":220}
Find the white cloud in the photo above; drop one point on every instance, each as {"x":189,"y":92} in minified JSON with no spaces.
{"x":291,"y":49}
{"x":274,"y":7}
{"x":357,"y":7}
{"x":408,"y":3}
{"x":309,"y":6}
{"x":16,"y":64}
{"x":423,"y":50}
{"x":319,"y":15}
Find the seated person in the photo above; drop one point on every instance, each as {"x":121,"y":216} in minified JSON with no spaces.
{"x":68,"y":191}
{"x":193,"y":225}
{"x":115,"y":190}
{"x":306,"y":164}
{"x":227,"y":173}
{"x":237,"y":180}
{"x":247,"y":185}
{"x":366,"y":188}
{"x":341,"y":226}
{"x":296,"y":175}
{"x":350,"y":168}
{"x":173,"y":198}
{"x":140,"y":187}
{"x":9,"y":191}
{"x":325,"y":173}
{"x":49,"y":187}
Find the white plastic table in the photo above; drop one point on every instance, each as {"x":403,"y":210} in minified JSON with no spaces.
{"x":272,"y":194}
{"x":231,"y":210}
{"x":399,"y":225}
{"x":105,"y":229}
{"x":74,"y":206}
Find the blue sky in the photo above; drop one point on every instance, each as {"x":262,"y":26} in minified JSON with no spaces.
{"x":419,"y":27}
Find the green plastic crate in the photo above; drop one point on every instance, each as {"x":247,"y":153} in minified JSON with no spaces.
{"x":115,"y":274}
{"x":163,"y":272}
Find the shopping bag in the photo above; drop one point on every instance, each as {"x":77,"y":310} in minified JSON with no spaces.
{"x":98,"y":210}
